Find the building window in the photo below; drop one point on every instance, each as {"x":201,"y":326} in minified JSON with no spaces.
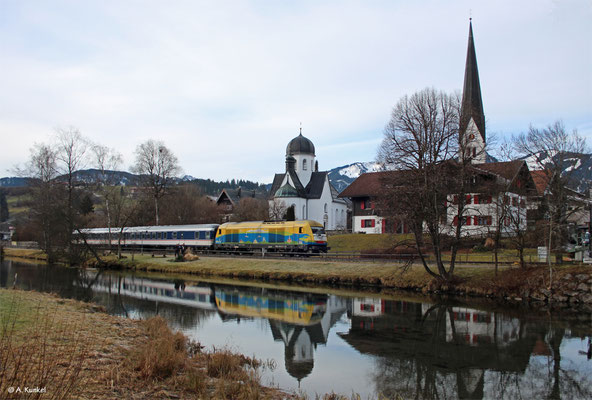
{"x":368,"y":223}
{"x":304,"y":165}
{"x":482,"y":220}
{"x":363,"y":205}
{"x":325,"y":208}
{"x":303,"y":212}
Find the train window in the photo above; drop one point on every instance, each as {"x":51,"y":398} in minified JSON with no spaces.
{"x":212,"y":234}
{"x":202,"y":234}
{"x":300,"y":230}
{"x":174,"y":235}
{"x":317,"y":230}
{"x":153,"y":235}
{"x":169,"y":235}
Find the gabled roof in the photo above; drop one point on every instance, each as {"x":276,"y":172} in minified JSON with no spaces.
{"x":279,"y":178}
{"x":313,"y":190}
{"x":505,"y":169}
{"x":315,"y":186}
{"x":472,"y":104}
{"x":234,"y":195}
{"x":366,"y":185}
{"x":541,"y":180}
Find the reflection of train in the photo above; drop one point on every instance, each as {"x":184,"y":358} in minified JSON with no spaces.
{"x":293,"y":308}
{"x":291,"y":236}
{"x":147,"y":289}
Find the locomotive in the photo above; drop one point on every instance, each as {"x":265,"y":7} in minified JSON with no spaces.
{"x":264,"y":236}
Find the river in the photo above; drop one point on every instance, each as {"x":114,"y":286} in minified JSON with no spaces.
{"x":323,"y":340}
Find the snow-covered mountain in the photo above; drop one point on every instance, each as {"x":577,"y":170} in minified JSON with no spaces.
{"x":341,"y":177}
{"x":577,"y":165}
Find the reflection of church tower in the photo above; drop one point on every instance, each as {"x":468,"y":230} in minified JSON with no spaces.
{"x":472,"y":118}
{"x":301,"y":340}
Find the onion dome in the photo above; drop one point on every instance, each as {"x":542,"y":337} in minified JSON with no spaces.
{"x":286,"y":191}
{"x":300,"y":145}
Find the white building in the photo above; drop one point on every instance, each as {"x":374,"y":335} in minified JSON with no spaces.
{"x":305,"y":189}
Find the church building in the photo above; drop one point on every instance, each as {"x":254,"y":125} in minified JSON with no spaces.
{"x":472,"y":118}
{"x":306,"y":190}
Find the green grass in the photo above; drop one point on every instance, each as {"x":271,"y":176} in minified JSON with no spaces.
{"x":17,"y":311}
{"x":17,"y":204}
{"x":356,"y":242}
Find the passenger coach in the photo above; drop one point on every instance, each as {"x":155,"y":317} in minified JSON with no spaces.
{"x":196,"y":236}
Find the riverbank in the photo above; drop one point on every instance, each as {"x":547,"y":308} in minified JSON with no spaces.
{"x":563,"y":285}
{"x":70,"y":349}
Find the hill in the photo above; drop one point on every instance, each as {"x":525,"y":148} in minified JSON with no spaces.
{"x":123,"y":178}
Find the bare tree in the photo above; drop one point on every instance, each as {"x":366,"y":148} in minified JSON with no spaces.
{"x":106,"y":161}
{"x":277,"y":209}
{"x":71,"y":157}
{"x":250,"y":209}
{"x":420,"y":140}
{"x":187,"y":205}
{"x":158,"y":166}
{"x":46,"y":205}
{"x":551,"y":149}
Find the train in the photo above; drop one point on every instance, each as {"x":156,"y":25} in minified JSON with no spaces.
{"x":305,"y":236}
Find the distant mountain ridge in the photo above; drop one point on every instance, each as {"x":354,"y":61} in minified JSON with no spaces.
{"x":580,"y":165}
{"x":123,"y":178}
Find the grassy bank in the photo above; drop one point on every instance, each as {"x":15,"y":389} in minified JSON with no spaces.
{"x":479,"y":280}
{"x":69,"y":349}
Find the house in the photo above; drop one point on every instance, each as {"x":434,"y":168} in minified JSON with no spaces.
{"x":366,"y":216}
{"x":578,"y":207}
{"x":6,"y":232}
{"x":228,"y":199}
{"x":496,"y":196}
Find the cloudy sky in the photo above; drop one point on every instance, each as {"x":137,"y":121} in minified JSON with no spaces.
{"x":225,"y":84}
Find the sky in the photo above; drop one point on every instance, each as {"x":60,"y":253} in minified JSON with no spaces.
{"x":226,"y":84}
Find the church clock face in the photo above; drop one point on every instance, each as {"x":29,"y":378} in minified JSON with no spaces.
{"x":471,"y":136}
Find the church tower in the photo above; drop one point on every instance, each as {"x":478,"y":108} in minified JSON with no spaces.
{"x":302,"y":151}
{"x":472,"y":118}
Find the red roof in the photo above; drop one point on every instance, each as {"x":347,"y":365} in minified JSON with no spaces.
{"x":506,"y":169}
{"x":541,"y":180}
{"x":366,"y":185}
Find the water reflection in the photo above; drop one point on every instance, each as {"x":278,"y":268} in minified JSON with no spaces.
{"x":394,"y":347}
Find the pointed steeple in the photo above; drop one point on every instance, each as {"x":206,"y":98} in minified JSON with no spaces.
{"x":472,"y":105}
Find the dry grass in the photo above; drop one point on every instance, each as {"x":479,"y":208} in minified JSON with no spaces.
{"x":76,"y":351}
{"x":168,"y":358}
{"x":29,"y":254}
{"x":41,"y":354}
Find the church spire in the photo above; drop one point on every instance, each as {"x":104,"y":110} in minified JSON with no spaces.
{"x":472,"y":105}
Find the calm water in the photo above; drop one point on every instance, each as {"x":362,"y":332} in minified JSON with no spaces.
{"x":322,"y":342}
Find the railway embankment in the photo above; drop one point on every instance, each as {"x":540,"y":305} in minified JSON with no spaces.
{"x":566,"y":285}
{"x":60,"y":348}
